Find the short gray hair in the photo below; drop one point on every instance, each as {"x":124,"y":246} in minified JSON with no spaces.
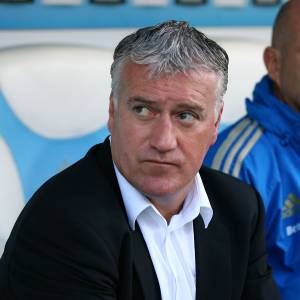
{"x":172,"y":47}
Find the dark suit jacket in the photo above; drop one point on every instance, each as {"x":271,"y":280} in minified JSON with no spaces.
{"x":73,"y":242}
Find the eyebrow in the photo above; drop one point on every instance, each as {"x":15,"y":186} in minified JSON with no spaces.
{"x":141,"y":100}
{"x":190,"y":106}
{"x":184,"y":106}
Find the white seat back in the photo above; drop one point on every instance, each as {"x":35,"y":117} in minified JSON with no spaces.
{"x":54,"y":104}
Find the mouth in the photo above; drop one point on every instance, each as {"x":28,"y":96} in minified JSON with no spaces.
{"x":161,"y":162}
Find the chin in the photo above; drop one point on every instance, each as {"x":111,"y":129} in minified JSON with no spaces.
{"x":158,"y":189}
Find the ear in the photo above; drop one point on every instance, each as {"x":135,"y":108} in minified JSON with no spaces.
{"x":217,"y":123}
{"x":272,"y":63}
{"x":111,"y":112}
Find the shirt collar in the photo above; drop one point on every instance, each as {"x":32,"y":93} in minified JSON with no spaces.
{"x":136,"y":203}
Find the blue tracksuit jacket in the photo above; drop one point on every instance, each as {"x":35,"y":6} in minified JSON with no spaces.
{"x":263,"y":149}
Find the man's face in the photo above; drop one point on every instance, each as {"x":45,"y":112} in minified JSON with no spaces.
{"x":162,"y":128}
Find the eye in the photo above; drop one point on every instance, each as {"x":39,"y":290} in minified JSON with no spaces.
{"x":187,"y":117}
{"x":141,"y":110}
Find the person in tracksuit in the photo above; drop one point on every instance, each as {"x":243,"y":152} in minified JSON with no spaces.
{"x":263,"y":148}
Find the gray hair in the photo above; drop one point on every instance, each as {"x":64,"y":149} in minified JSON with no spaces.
{"x":172,"y":47}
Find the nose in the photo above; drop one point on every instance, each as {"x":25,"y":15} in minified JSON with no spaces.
{"x":163,"y":135}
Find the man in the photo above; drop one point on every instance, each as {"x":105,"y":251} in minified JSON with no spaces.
{"x":134,"y":219}
{"x":263,"y":148}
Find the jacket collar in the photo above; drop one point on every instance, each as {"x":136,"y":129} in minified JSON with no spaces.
{"x":272,"y":114}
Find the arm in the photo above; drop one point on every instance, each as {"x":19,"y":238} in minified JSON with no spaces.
{"x":61,"y":259}
{"x":66,"y":246}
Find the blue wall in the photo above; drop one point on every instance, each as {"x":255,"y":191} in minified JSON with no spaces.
{"x":87,"y":15}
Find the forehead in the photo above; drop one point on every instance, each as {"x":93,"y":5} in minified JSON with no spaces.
{"x":137,"y":78}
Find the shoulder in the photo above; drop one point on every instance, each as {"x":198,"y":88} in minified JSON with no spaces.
{"x":238,"y":146}
{"x":72,"y":228}
{"x":73,"y":209}
{"x":230,"y":197}
{"x":220,"y":182}
{"x":80,"y":179}
{"x":83,"y":193}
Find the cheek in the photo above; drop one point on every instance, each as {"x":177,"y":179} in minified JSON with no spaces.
{"x":133,"y":141}
{"x":200,"y":143}
{"x":196,"y":149}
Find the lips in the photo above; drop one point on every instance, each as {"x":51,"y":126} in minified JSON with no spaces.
{"x":161,"y":162}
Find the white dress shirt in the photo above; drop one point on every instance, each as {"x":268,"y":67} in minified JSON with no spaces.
{"x":171,"y":246}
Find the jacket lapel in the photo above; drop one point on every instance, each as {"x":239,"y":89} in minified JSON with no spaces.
{"x":148,"y":286}
{"x":144,"y":281}
{"x":213,"y":260}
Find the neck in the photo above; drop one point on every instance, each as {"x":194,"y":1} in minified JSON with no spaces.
{"x":292,"y":104}
{"x":170,"y":205}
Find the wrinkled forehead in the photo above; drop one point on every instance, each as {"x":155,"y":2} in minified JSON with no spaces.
{"x":153,"y":72}
{"x":196,"y":73}
{"x":137,"y":76}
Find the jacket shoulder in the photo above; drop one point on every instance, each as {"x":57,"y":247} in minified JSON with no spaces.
{"x":230,"y":197}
